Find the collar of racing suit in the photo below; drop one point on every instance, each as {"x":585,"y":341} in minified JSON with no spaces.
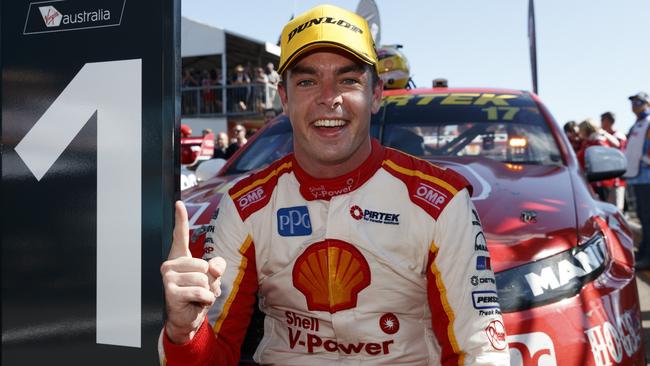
{"x":324,"y":189}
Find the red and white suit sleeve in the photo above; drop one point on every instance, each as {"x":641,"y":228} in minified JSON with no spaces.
{"x":459,"y":323}
{"x":219,"y":339}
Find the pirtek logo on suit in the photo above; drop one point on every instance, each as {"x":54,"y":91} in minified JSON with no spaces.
{"x":324,"y":20}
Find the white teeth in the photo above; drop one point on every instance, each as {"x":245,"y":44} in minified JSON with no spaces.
{"x":329,"y":123}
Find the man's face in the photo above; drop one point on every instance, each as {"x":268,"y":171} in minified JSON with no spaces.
{"x":638,"y":106}
{"x":606,"y":123}
{"x":329,"y":98}
{"x":222,"y":140}
{"x":239,"y":131}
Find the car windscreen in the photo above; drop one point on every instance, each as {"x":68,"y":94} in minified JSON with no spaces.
{"x":500,"y":126}
{"x":272,"y":144}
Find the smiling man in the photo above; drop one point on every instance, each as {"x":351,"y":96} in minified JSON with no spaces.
{"x":359,"y":254}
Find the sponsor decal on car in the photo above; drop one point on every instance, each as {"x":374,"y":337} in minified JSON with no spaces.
{"x":303,"y":333}
{"x":294,"y":221}
{"x":485,"y":300}
{"x":483,"y":263}
{"x":358,"y":213}
{"x":531,"y":349}
{"x":559,"y":273}
{"x":496,"y":334}
{"x":614,"y":338}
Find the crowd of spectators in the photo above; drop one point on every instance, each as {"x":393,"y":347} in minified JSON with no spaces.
{"x":246,"y":89}
{"x":636,"y":147}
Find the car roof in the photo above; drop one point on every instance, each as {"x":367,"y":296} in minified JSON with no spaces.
{"x":453,"y":90}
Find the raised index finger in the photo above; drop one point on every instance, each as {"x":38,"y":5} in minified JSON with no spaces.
{"x":181,"y":240}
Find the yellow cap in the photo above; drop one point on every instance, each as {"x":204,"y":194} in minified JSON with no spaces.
{"x":326,"y":26}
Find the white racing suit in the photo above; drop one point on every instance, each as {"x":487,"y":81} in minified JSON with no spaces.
{"x":386,"y":265}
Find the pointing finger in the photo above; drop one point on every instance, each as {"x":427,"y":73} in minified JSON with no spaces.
{"x":181,"y":239}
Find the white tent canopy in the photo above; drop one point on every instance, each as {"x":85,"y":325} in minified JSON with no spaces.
{"x":198,"y":39}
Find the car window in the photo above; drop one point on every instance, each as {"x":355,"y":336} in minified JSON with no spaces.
{"x":272,"y":144}
{"x":502,"y":127}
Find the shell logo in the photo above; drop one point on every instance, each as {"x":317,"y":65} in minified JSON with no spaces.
{"x":331,"y":274}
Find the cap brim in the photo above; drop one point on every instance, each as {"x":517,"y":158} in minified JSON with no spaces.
{"x":324,"y":44}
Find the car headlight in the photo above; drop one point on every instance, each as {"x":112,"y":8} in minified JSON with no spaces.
{"x":551,"y":279}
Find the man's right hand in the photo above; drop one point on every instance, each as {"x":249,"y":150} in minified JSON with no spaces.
{"x":191,"y":284}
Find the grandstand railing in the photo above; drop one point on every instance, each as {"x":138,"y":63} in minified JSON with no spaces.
{"x":228,"y":100}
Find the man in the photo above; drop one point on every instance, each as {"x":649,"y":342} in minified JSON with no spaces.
{"x":359,"y":254}
{"x":616,"y":191}
{"x":573,"y":134}
{"x":221,"y":148}
{"x":239,"y":139}
{"x":638,"y":171}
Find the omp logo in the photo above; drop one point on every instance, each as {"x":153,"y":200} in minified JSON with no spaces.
{"x":251,"y":197}
{"x":485,"y":300}
{"x":331,"y":274}
{"x":67,"y":15}
{"x":430,"y":195}
{"x":51,"y":16}
{"x":531,"y":349}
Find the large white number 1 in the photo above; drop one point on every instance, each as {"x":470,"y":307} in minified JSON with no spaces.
{"x":114,"y":90}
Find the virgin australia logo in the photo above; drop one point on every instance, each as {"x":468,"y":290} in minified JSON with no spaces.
{"x":73,"y":15}
{"x":51,"y":16}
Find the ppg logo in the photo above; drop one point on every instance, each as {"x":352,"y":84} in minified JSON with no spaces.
{"x":294,"y":221}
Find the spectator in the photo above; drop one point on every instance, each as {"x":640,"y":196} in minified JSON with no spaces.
{"x":638,"y":172}
{"x":571,"y":131}
{"x":261,"y":81}
{"x":273,"y":76}
{"x":240,"y":94}
{"x":269,"y":114}
{"x":216,"y":82}
{"x":591,"y":135}
{"x":238,"y":140}
{"x":188,"y":96}
{"x":618,"y":140}
{"x":221,"y":146}
{"x":207,"y":91}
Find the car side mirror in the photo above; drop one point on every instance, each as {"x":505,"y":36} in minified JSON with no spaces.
{"x":604,"y":163}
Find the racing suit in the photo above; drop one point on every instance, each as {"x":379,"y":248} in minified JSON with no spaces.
{"x":386,"y":265}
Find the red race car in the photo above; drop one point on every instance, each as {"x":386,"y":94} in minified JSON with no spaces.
{"x":563,"y":261}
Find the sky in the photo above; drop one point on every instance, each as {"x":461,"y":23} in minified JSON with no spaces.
{"x":591,"y":54}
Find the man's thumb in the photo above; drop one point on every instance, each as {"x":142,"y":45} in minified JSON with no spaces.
{"x":181,"y":240}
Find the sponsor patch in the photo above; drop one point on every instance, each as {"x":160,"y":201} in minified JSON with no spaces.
{"x":358,"y":213}
{"x":485,"y":300}
{"x":476,"y":280}
{"x":70,"y":15}
{"x":389,"y":323}
{"x":294,"y":221}
{"x":480,"y":244}
{"x":430,"y":195}
{"x":251,"y":197}
{"x":496,"y":334}
{"x":483,"y":263}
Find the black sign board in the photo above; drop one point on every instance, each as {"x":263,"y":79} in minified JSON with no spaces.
{"x":89,"y":106}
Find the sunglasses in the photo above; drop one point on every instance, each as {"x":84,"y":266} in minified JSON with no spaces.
{"x":637,"y":102}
